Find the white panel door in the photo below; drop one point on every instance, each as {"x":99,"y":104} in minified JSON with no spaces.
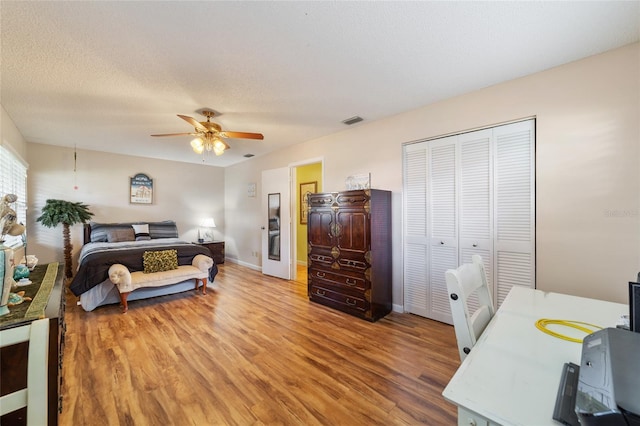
{"x":276,"y":181}
{"x":442,"y":219}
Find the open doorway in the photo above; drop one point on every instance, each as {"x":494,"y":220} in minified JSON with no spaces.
{"x":307,"y":176}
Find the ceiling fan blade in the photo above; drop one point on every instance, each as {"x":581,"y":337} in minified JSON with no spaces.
{"x":195,"y":123}
{"x":242,"y":135}
{"x":176,"y":134}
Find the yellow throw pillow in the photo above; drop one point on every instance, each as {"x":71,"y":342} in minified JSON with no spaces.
{"x":158,"y":261}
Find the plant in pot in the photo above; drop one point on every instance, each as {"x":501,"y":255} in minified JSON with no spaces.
{"x":67,"y":213}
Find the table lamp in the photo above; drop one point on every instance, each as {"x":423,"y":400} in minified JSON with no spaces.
{"x":207,"y":223}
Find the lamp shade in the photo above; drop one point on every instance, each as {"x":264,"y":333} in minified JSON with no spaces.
{"x":208,"y":222}
{"x":197,"y":145}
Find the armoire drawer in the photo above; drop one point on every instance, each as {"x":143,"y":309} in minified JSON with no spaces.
{"x":320,"y":200}
{"x":320,"y":258}
{"x":341,"y":280}
{"x":355,"y":263}
{"x":336,"y":259}
{"x":325,"y":295}
{"x":355,"y":198}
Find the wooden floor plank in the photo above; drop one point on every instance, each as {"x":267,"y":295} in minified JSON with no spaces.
{"x":253,"y":351}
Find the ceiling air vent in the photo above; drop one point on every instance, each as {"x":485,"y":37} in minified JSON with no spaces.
{"x":352,"y":120}
{"x":248,"y":155}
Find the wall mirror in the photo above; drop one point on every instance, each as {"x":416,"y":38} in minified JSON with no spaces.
{"x":274,"y":226}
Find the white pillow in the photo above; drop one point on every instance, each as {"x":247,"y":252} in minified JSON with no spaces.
{"x":141,"y":231}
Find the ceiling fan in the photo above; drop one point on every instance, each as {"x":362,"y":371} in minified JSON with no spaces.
{"x":209,"y":136}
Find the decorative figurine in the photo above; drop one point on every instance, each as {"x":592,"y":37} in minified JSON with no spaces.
{"x":8,"y":218}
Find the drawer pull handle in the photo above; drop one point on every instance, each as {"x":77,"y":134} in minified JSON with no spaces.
{"x":351,"y":282}
{"x":320,"y":292}
{"x":320,"y":274}
{"x":475,"y":245}
{"x":351,"y":302}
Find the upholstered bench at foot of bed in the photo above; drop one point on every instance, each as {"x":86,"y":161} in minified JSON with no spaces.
{"x":127,"y":281}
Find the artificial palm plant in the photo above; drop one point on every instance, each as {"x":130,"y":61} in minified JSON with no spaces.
{"x":67,"y":213}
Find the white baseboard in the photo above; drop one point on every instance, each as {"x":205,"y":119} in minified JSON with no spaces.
{"x":397,"y":308}
{"x":241,"y":263}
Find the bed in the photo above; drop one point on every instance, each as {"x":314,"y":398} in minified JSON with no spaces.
{"x":106,"y":244}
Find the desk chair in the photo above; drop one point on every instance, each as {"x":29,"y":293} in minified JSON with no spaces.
{"x":34,"y":396}
{"x":462,"y":284}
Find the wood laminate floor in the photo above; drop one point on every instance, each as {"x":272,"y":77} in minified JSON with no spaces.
{"x":301,"y":274}
{"x":253,"y":351}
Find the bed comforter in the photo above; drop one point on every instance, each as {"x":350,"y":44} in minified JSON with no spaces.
{"x":96,"y":258}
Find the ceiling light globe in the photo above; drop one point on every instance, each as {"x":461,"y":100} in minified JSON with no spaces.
{"x":197,"y":145}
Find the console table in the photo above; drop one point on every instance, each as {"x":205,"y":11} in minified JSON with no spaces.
{"x":13,"y":359}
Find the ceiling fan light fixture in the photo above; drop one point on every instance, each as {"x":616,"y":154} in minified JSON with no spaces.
{"x":218,"y":146}
{"x":208,"y":134}
{"x":197,"y":145}
{"x":218,"y":151}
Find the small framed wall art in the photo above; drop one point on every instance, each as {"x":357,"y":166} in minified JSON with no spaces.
{"x":141,"y":189}
{"x":251,"y":190}
{"x":306,"y":188}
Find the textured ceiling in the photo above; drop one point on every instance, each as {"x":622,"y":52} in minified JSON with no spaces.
{"x":106,"y":75}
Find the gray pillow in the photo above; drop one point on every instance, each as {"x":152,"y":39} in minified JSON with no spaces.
{"x":117,"y":235}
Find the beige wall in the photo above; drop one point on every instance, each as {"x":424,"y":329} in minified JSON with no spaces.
{"x":183,"y":192}
{"x":10,"y":135}
{"x":587,"y":162}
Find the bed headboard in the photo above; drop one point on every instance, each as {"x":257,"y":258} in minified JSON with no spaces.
{"x":95,"y":231}
{"x":86,"y":233}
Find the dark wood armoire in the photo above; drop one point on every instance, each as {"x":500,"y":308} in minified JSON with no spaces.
{"x":349,"y":251}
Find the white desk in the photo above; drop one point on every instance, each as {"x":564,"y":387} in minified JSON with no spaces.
{"x":512,"y":374}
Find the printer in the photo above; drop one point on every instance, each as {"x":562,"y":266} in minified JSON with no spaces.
{"x":608,"y":389}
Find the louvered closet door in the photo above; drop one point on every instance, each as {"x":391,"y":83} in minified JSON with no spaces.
{"x":463,"y":195}
{"x":476,"y":201}
{"x":442,"y":229}
{"x":514,"y":222}
{"x":416,"y":281}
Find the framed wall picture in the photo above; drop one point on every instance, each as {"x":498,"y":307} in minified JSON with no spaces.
{"x":306,"y":188}
{"x":141,"y":189}
{"x":251,"y":190}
